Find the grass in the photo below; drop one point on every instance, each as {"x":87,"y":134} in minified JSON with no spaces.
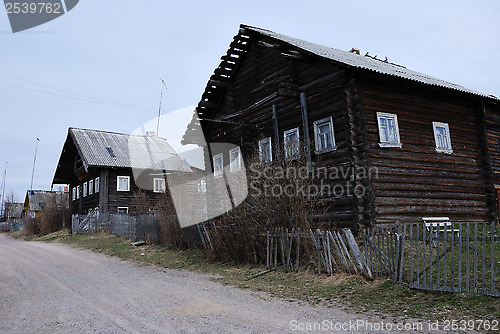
{"x":380,"y":297}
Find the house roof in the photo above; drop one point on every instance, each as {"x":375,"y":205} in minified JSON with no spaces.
{"x":15,"y":210}
{"x":110,"y":149}
{"x":36,"y":200}
{"x":222,"y":76}
{"x":361,"y":61}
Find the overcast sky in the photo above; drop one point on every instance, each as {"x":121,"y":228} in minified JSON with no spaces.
{"x":99,"y":66}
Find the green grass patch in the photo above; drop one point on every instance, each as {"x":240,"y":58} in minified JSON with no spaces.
{"x":351,"y":292}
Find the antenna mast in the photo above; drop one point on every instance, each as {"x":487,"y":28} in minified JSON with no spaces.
{"x":159,"y":108}
{"x":34,"y":161}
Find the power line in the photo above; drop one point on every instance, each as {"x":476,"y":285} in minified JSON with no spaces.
{"x":86,"y":98}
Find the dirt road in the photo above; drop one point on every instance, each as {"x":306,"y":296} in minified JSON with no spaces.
{"x":53,"y":288}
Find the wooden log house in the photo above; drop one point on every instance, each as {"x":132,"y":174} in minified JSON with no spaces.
{"x":434,"y":144}
{"x":104,"y":170}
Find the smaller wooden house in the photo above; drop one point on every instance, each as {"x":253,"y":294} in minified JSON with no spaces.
{"x":36,"y":200}
{"x":104,"y":170}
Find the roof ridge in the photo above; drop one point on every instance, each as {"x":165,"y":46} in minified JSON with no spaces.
{"x":363,"y":62}
{"x":115,"y":133}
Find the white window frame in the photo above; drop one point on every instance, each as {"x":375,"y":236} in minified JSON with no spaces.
{"x":288,"y":152}
{"x":394,"y":117}
{"x":74,"y":193}
{"x":78,"y":192}
{"x":96,"y":185}
{"x":160,"y":189}
{"x":448,"y":149}
{"x":218,"y":168}
{"x":261,"y":149}
{"x":91,"y":187}
{"x":235,"y":165}
{"x":122,"y":207}
{"x":201,"y":186}
{"x":85,"y":188}
{"x":317,"y":124}
{"x":118,"y":183}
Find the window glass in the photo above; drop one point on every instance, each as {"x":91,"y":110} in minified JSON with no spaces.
{"x":292,"y":144}
{"x":265,"y":150}
{"x":235,"y":159}
{"x":218,"y":165}
{"x":123,"y":183}
{"x":388,"y":130}
{"x":325,"y":140}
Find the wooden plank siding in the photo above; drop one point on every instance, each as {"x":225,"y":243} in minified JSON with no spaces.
{"x":108,"y":199}
{"x":83,"y":204}
{"x":492,"y":120}
{"x":415,"y":180}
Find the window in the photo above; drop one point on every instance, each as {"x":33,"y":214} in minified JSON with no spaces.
{"x":85,"y":189}
{"x":218,"y":166}
{"x":388,"y":130}
{"x":91,"y":187}
{"x":96,"y":188}
{"x":323,"y":133}
{"x":202,"y":186}
{"x":74,"y":193}
{"x":292,"y":144}
{"x":123,"y":183}
{"x":77,"y":192}
{"x":122,"y":209}
{"x":442,"y":137}
{"x":235,"y":159}
{"x":265,"y":150}
{"x":159,"y":185}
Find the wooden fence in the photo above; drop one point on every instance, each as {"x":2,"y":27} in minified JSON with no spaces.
{"x":459,"y":257}
{"x":328,"y":249}
{"x":123,"y":225}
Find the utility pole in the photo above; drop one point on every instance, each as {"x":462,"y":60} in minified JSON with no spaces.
{"x":34,"y":161}
{"x":2,"y":201}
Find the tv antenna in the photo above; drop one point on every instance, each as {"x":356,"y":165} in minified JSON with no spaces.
{"x":159,"y":107}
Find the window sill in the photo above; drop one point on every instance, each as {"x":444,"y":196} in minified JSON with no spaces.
{"x":396,"y":145}
{"x":443,"y":150}
{"x":334,"y":148}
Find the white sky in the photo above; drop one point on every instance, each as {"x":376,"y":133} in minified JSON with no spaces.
{"x":119,"y":50}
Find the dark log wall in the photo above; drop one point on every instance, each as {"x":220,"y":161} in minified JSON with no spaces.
{"x":126,"y":198}
{"x":266,"y":77}
{"x":84,"y":204}
{"x":416,"y":181}
{"x":492,"y":120}
{"x":108,"y":199}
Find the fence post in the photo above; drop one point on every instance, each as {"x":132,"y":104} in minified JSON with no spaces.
{"x":397,"y":232}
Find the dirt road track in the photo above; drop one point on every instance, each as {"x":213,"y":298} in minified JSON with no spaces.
{"x":53,"y":288}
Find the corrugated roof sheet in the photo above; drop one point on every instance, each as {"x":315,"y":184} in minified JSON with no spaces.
{"x":109,"y":149}
{"x":363,"y":62}
{"x":40,"y":198}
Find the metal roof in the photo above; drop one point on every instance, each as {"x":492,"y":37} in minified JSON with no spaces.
{"x":110,"y":149}
{"x":363,"y":62}
{"x":38,"y":199}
